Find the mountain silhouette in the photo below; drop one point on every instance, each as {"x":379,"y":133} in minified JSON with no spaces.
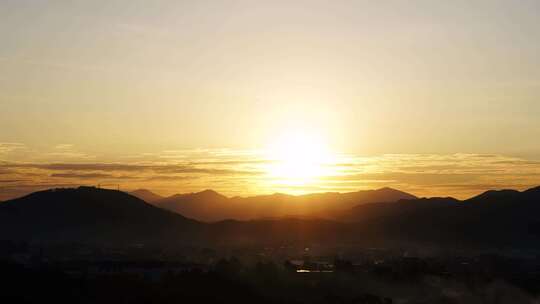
{"x":502,"y":218}
{"x":93,"y":215}
{"x":210,"y":206}
{"x":506,"y":219}
{"x":146,"y":195}
{"x":498,"y":220}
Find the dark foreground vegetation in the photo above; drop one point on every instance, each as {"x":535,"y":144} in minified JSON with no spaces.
{"x":397,"y":280}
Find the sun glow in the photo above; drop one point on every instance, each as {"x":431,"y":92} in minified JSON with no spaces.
{"x":298,"y":158}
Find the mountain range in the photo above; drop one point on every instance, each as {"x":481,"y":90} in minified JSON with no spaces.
{"x":210,"y":206}
{"x":494,"y":219}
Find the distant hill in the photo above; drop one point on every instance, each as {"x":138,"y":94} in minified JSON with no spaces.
{"x":146,"y":195}
{"x":495,"y":220}
{"x":503,"y":218}
{"x":401,"y":208}
{"x":211,"y":206}
{"x":91,"y":215}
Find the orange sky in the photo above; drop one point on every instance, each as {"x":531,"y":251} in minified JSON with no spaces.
{"x":243,"y":172}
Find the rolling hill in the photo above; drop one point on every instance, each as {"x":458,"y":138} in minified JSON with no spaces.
{"x":91,"y":215}
{"x":505,"y":218}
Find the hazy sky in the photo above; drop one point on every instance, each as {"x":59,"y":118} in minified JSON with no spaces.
{"x":103,"y":81}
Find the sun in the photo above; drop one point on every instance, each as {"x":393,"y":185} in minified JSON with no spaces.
{"x":297,"y":158}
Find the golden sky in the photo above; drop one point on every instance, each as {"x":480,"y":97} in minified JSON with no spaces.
{"x":448,"y":90}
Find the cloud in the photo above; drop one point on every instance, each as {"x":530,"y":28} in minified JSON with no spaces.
{"x":425,"y":179}
{"x":461,"y":175}
{"x":231,"y":162}
{"x":82,"y":176}
{"x":78,"y":167}
{"x":11,"y":180}
{"x":199,"y":170}
{"x":6,"y":171}
{"x":171,"y":178}
{"x":6,"y":148}
{"x":131,"y":167}
{"x":64,"y":146}
{"x":67,"y":151}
